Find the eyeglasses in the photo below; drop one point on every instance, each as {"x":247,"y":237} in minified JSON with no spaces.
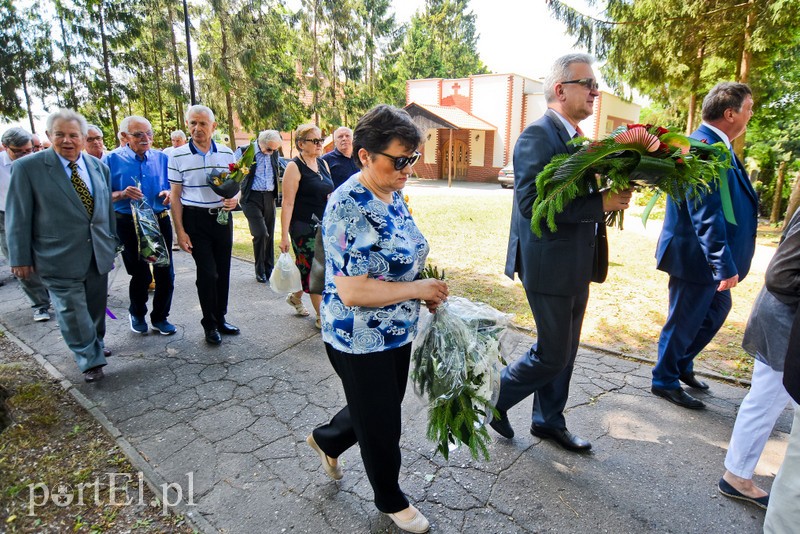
{"x":140,"y":135}
{"x":22,"y":151}
{"x":97,"y":138}
{"x":401,"y":162}
{"x":589,"y":83}
{"x":269,"y":150}
{"x":317,"y":142}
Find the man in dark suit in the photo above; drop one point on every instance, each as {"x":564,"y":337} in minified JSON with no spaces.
{"x":259,"y":190}
{"x":704,"y":254}
{"x":61,"y":225}
{"x":555,"y":269}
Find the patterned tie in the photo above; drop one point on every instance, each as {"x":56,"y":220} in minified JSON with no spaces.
{"x":81,"y":189}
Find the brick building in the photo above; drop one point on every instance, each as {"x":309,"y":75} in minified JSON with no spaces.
{"x":474,"y":122}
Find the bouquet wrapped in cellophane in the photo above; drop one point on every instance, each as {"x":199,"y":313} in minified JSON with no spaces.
{"x":456,"y":369}
{"x":636,"y":155}
{"x":228,"y":184}
{"x":152,"y":245}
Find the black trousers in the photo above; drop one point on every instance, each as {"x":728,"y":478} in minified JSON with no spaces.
{"x":546,"y":369}
{"x":211,"y":249}
{"x":260,"y":212}
{"x":140,"y":271}
{"x":374,"y":386}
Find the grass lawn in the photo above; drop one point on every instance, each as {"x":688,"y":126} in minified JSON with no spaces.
{"x":467,"y":227}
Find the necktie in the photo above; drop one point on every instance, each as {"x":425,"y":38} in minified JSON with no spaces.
{"x":578,"y":132}
{"x":81,"y":189}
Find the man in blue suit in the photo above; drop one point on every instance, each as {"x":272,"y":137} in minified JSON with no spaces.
{"x":61,"y":225}
{"x":704,"y":254}
{"x":555,"y":269}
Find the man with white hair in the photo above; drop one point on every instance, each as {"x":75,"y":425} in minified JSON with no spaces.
{"x":139,"y":172}
{"x":195,"y":210}
{"x":20,"y":144}
{"x":37,"y":143}
{"x":94,"y":142}
{"x":340,"y":160}
{"x":178,"y":139}
{"x":61,"y":226}
{"x":259,"y":189}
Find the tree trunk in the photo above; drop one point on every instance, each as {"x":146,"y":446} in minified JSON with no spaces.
{"x":28,"y":101}
{"x":107,"y":69}
{"x":71,"y":103}
{"x":315,"y":61}
{"x":176,"y":71}
{"x":794,"y":201}
{"x":224,"y":61}
{"x":743,"y":73}
{"x":690,"y":121}
{"x":777,"y":197}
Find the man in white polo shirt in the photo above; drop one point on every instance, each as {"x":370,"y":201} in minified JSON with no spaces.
{"x":194,"y":213}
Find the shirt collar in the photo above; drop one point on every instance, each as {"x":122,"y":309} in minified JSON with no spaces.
{"x":570,"y":128}
{"x":131,"y":154}
{"x":65,"y":162}
{"x":5,"y":159}
{"x":722,"y":135}
{"x":194,"y":148}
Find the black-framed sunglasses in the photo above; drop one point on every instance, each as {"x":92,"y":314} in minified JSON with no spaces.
{"x":401,"y":162}
{"x":317,"y":142}
{"x":589,"y":83}
{"x":141,"y":135}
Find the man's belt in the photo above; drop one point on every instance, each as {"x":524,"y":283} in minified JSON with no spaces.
{"x":210,"y":211}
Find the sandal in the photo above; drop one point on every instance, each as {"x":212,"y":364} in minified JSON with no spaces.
{"x":297,"y":305}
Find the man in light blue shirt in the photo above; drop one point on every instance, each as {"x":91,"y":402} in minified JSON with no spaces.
{"x":138,"y":172}
{"x":259,"y":190}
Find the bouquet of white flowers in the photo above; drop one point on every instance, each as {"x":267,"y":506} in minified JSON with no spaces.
{"x":456,"y":357}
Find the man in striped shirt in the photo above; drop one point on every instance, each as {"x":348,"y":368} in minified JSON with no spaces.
{"x":194,"y":213}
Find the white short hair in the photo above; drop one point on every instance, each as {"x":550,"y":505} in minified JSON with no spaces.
{"x":342,"y":128}
{"x":126,"y":122}
{"x":560,"y":71}
{"x":65,"y":114}
{"x":178,"y":134}
{"x":199,"y":108}
{"x":269,"y":136}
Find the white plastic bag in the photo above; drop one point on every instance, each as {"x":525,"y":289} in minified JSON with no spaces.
{"x":285,"y":276}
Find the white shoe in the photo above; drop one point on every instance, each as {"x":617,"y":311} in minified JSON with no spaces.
{"x":41,"y":315}
{"x":417,"y":524}
{"x":297,"y":305}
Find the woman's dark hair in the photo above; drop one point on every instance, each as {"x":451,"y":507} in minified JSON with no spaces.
{"x":380,"y":126}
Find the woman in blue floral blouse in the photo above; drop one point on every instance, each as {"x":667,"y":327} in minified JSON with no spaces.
{"x":374,"y":254}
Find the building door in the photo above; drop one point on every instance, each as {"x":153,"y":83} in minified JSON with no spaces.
{"x":459,"y":157}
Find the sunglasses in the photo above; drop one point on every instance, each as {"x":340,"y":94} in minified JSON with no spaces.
{"x":317,"y":142}
{"x":140,"y":135}
{"x":93,"y":139}
{"x":401,"y":162}
{"x":589,"y":83}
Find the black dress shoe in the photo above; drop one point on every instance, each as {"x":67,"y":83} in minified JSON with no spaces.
{"x":107,"y":352}
{"x":213,"y":337}
{"x":563,"y":437}
{"x":95,"y":374}
{"x":261,"y":278}
{"x":228,"y":329}
{"x":501,"y":425}
{"x":692,"y":381}
{"x":679,"y":397}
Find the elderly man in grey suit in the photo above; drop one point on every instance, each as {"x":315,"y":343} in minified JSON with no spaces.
{"x":61,"y":225}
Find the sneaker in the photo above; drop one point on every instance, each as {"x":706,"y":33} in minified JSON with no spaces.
{"x":164,"y":327}
{"x":138,"y":325}
{"x":41,"y":315}
{"x":297,"y":304}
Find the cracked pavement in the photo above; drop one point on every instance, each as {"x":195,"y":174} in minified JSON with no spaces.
{"x":236,"y":417}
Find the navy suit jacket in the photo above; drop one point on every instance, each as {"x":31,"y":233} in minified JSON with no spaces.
{"x":697,"y":244}
{"x":558,"y":263}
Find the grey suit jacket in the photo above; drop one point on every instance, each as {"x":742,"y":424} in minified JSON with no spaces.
{"x":561,"y":262}
{"x":48,"y":226}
